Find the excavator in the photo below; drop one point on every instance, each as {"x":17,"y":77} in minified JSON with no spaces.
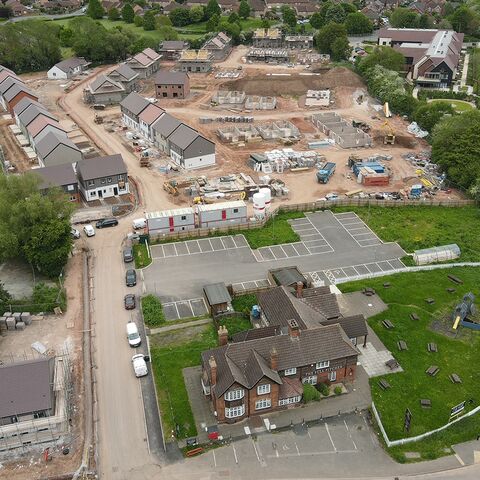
{"x":389,"y":138}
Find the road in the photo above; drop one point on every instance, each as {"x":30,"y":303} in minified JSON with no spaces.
{"x":77,"y":13}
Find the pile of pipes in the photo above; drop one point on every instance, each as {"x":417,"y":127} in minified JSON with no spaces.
{"x":285,"y":159}
{"x":14,"y":321}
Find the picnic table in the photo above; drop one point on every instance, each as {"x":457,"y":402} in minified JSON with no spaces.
{"x":455,"y":279}
{"x":387,"y":324}
{"x":414,"y":316}
{"x":432,"y":370}
{"x":430,"y":301}
{"x":432,"y":347}
{"x":368,"y":291}
{"x":392,"y":364}
{"x":384,"y":385}
{"x":402,"y":345}
{"x":455,"y":378}
{"x":451,"y":290}
{"x":386,"y":285}
{"x":425,"y":402}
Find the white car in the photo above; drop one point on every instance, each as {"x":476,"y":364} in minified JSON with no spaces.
{"x":89,"y":230}
{"x":75,"y":233}
{"x":139,"y":365}
{"x":139,"y":223}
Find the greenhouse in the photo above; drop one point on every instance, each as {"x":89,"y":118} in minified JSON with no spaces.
{"x":436,"y":254}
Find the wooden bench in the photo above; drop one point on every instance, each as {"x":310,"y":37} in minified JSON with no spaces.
{"x":455,"y":279}
{"x":386,"y":285}
{"x":414,"y":316}
{"x":425,"y":402}
{"x":384,"y":385}
{"x":432,"y":348}
{"x":402,"y":345}
{"x":195,"y":451}
{"x":368,"y":291}
{"x":455,"y":378}
{"x":430,"y":301}
{"x":432,"y":371}
{"x":387,"y":324}
{"x":451,"y":290}
{"x":392,"y":364}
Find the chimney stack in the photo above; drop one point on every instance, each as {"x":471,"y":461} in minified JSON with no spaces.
{"x":299,"y":289}
{"x":293,"y":329}
{"x":222,"y":335}
{"x":213,"y":370}
{"x":274,"y":359}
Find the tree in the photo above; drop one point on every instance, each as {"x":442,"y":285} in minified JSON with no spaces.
{"x":233,"y":30}
{"x":180,"y":17}
{"x":34,"y":226}
{"x":316,"y":21}
{"x":386,"y":57}
{"x":289,"y":16}
{"x":113,"y":14}
{"x":384,"y":84}
{"x":429,"y":114}
{"x":335,"y":13}
{"x":244,"y":9}
{"x":95,"y":9}
{"x":127,"y":13}
{"x":327,"y":35}
{"x":6,"y":11}
{"x":460,"y":159}
{"x":5,"y":298}
{"x":349,"y":8}
{"x":138,"y":21}
{"x":403,"y":104}
{"x":212,"y":8}
{"x":425,"y":21}
{"x":358,"y":23}
{"x":265,"y":23}
{"x":167,"y":32}
{"x":149,"y":21}
{"x":213,"y":23}
{"x":464,"y":20}
{"x":197,"y":13}
{"x":403,"y":18}
{"x":233,"y":17}
{"x":341,"y":49}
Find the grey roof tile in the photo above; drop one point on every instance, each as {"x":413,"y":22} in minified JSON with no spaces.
{"x":99,"y":167}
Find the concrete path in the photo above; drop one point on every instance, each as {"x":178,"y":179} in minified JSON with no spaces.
{"x":177,"y":326}
{"x":466,"y":60}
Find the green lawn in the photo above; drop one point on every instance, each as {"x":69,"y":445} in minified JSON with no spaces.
{"x":460,"y":106}
{"x":244,"y":303}
{"x":168,"y":362}
{"x":152,"y":310}
{"x":407,"y":294}
{"x":141,"y":256}
{"x":235,"y":324}
{"x":423,"y":227}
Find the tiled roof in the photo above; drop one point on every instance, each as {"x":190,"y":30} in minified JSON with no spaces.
{"x":8,"y":83}
{"x":11,"y":93}
{"x":24,"y":103}
{"x":51,"y":141}
{"x":291,"y":387}
{"x":217,"y":293}
{"x":71,"y":63}
{"x":135,"y":103}
{"x":57,"y":175}
{"x":173,"y":45}
{"x":151,"y":54}
{"x":322,"y":301}
{"x":255,"y":333}
{"x":151,"y":113}
{"x":166,"y":124}
{"x":125,"y":72}
{"x":31,"y":112}
{"x":170,"y":78}
{"x":354,"y":326}
{"x":103,"y":80}
{"x":40,"y":123}
{"x":183,"y":136}
{"x":99,"y":167}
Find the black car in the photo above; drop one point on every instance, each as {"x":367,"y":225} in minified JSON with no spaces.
{"x":131,"y":278}
{"x":128,"y":254}
{"x":107,"y":222}
{"x":129,"y":302}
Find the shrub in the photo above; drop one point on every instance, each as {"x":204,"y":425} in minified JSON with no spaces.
{"x":152,"y":311}
{"x":310,"y":393}
{"x":323,"y":389}
{"x":47,"y":298}
{"x":338,"y":390}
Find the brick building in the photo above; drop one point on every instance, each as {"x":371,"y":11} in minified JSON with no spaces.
{"x":172,"y":85}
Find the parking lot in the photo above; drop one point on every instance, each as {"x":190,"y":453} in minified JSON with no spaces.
{"x":357,"y":229}
{"x":195,"y":307}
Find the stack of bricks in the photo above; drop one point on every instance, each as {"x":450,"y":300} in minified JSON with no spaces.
{"x":14,"y":321}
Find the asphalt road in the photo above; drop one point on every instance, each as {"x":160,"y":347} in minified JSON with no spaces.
{"x":77,"y":13}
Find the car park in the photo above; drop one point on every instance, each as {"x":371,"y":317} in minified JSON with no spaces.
{"x":128,"y":254}
{"x":107,"y":222}
{"x":75,"y":233}
{"x":139,"y":365}
{"x":131,"y":277}
{"x":89,"y":230}
{"x":133,"y":336}
{"x":129,"y":301}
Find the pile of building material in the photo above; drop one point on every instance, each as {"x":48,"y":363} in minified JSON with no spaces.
{"x":268,"y":55}
{"x":255,"y":102}
{"x":285,"y":159}
{"x":317,"y":98}
{"x":335,"y":127}
{"x":227,"y":74}
{"x":227,"y":119}
{"x":312,"y":58}
{"x":228,"y":97}
{"x":428,"y":172}
{"x":414,"y":129}
{"x":370,"y":173}
{"x":14,"y":321}
{"x":237,"y":134}
{"x":280,"y":129}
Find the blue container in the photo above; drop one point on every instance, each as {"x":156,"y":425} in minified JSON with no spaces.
{"x":256,"y":311}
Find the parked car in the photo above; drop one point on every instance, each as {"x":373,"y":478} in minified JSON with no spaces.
{"x":139,"y":223}
{"x":107,"y":222}
{"x":129,"y":301}
{"x":131,"y":277}
{"x":139,"y":365}
{"x":128,"y":254}
{"x":75,"y":233}
{"x":89,"y":230}
{"x":133,"y":336}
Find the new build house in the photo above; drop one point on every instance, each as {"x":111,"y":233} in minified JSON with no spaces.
{"x":55,"y":149}
{"x":12,"y":92}
{"x":131,"y":107}
{"x":267,"y":38}
{"x":68,"y":68}
{"x":172,"y":84}
{"x":219,"y":46}
{"x":162,"y":129}
{"x":104,"y":90}
{"x":127,"y":77}
{"x":30,"y":113}
{"x":222,"y":214}
{"x":40,"y":127}
{"x":102,"y":177}
{"x":145,"y":63}
{"x":147,"y":118}
{"x":60,"y":176}
{"x":171,"y":49}
{"x":166,"y":221}
{"x":431,"y":56}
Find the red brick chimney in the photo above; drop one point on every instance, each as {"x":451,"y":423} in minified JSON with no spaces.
{"x":293,"y":329}
{"x":299,"y":289}
{"x":222,"y":335}
{"x":274,"y":359}
{"x":213,"y":370}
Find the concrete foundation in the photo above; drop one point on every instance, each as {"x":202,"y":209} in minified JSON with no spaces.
{"x":269,"y":55}
{"x":254,"y":102}
{"x":227,"y":97}
{"x":282,"y":129}
{"x":238,"y":134}
{"x":317,"y":98}
{"x":338,"y":129}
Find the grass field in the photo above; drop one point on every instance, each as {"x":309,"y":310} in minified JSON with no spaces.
{"x":141,"y":256}
{"x":459,"y":105}
{"x":235,"y":324}
{"x":407,"y":294}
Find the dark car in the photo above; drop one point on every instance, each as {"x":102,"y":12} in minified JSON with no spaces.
{"x":128,"y":254}
{"x":131,"y":278}
{"x":107,"y":222}
{"x":129,"y":302}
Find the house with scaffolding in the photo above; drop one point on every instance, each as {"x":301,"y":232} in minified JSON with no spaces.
{"x":197,"y":61}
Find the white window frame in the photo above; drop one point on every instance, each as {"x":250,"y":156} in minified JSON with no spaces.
{"x":263,"y":389}
{"x":234,"y":412}
{"x":263,"y":404}
{"x":332,"y":376}
{"x":288,"y":401}
{"x":323,"y":364}
{"x":290,"y":371}
{"x":311,"y":379}
{"x":236,"y":394}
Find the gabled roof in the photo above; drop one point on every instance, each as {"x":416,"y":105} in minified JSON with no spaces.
{"x":26,"y":387}
{"x":8,"y":82}
{"x":31,"y":113}
{"x":5,"y":69}
{"x":24,"y":103}
{"x":151,"y":114}
{"x":170,"y":78}
{"x":254,"y":333}
{"x":288,"y":276}
{"x":70,"y":64}
{"x":183,"y":136}
{"x":166,"y":124}
{"x":102,"y":81}
{"x":99,"y":167}
{"x":40,"y":123}
{"x":11,"y":93}
{"x":50,"y":142}
{"x":151,"y":54}
{"x":173,"y":45}
{"x":6,"y":74}
{"x":322,"y":300}
{"x":56,"y":175}
{"x":125,"y":72}
{"x":135,"y":103}
{"x":142,"y":59}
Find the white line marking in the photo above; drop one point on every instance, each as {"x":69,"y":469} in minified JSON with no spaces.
{"x":308,"y":433}
{"x":214,"y":459}
{"x":211,"y":246}
{"x":221,"y":239}
{"x":286,"y":256}
{"x":330,"y":437}
{"x":256,"y":451}
{"x":354,"y":444}
{"x":176,"y":308}
{"x":345,"y":422}
{"x":310,"y":235}
{"x":188,"y":250}
{"x":235,"y":454}
{"x":175,"y":247}
{"x":360,"y":234}
{"x":309,"y":454}
{"x":293,"y":246}
{"x":296,"y":447}
{"x":462,"y":463}
{"x":191,"y":308}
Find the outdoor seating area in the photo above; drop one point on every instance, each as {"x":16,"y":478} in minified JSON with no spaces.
{"x":414,"y":317}
{"x":402,"y":345}
{"x":432,"y":370}
{"x":388,"y":324}
{"x":432,"y":347}
{"x":384,"y":385}
{"x":455,"y":378}
{"x":425,"y":403}
{"x":392,"y":364}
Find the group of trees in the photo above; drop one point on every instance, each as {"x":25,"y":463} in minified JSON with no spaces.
{"x":342,"y":13}
{"x":332,"y":39}
{"x":33,"y":226}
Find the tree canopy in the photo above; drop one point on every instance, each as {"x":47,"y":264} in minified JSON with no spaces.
{"x":212,"y":8}
{"x":180,"y":17}
{"x":428,"y":115}
{"x":34,"y":226}
{"x":95,"y":9}
{"x":327,"y":35}
{"x":403,"y":18}
{"x":460,"y":159}
{"x":127,"y":13}
{"x":244,"y":9}
{"x":384,"y":56}
{"x":149,"y":20}
{"x":357,"y":23}
{"x":335,"y":13}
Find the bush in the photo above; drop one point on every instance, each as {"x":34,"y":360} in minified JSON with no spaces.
{"x":152,"y":311}
{"x":47,"y":297}
{"x":323,"y":389}
{"x":338,"y":390}
{"x":310,"y":393}
{"x":244,"y":303}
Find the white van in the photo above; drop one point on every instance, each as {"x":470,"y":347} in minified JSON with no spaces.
{"x":139,"y":365}
{"x":133,"y":336}
{"x":139,"y":223}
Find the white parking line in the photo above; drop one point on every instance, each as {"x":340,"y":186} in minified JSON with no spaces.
{"x":311,"y":235}
{"x":221,"y":239}
{"x":286,"y":255}
{"x":234,"y":454}
{"x":175,"y":247}
{"x":214,"y":459}
{"x":360,"y":234}
{"x":211,"y":246}
{"x":330,"y":437}
{"x":176,"y":308}
{"x":345,"y":422}
{"x":188,"y":250}
{"x":256,"y":451}
{"x":293,"y":246}
{"x":298,"y":451}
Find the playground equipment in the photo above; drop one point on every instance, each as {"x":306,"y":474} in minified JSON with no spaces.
{"x":462,"y":310}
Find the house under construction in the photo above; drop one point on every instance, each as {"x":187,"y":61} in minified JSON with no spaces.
{"x":199,"y":61}
{"x":239,"y":134}
{"x":338,"y":129}
{"x":255,"y":102}
{"x":228,"y":97}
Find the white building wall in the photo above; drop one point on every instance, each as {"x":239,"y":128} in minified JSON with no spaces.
{"x":55,"y":73}
{"x":216,"y":218}
{"x":106,"y":190}
{"x":174,"y":223}
{"x":130,"y":123}
{"x":199,"y":162}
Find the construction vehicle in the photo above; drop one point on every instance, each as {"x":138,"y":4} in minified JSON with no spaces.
{"x":325,"y":172}
{"x":386,"y":110}
{"x":98,"y":119}
{"x":389,"y":138}
{"x":170,"y":186}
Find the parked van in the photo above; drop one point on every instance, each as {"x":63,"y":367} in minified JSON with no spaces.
{"x":139,"y":223}
{"x":133,"y":336}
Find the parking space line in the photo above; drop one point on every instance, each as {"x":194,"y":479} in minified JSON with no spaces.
{"x":176,"y":308}
{"x":214,"y":459}
{"x":191,"y":308}
{"x":298,"y":451}
{"x":256,"y":451}
{"x":234,"y":453}
{"x":330,"y":437}
{"x":211,"y":246}
{"x":186,"y":244}
{"x":351,"y":223}
{"x":359,"y":234}
{"x":310,"y":235}
{"x":221,"y":239}
{"x":293,"y":246}
{"x":345,"y":422}
{"x":175,"y":248}
{"x":286,"y":256}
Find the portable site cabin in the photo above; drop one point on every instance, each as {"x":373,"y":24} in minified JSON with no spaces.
{"x":166,"y":221}
{"x":222,"y":214}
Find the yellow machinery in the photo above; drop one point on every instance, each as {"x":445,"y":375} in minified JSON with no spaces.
{"x":171,"y":187}
{"x":389,"y":138}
